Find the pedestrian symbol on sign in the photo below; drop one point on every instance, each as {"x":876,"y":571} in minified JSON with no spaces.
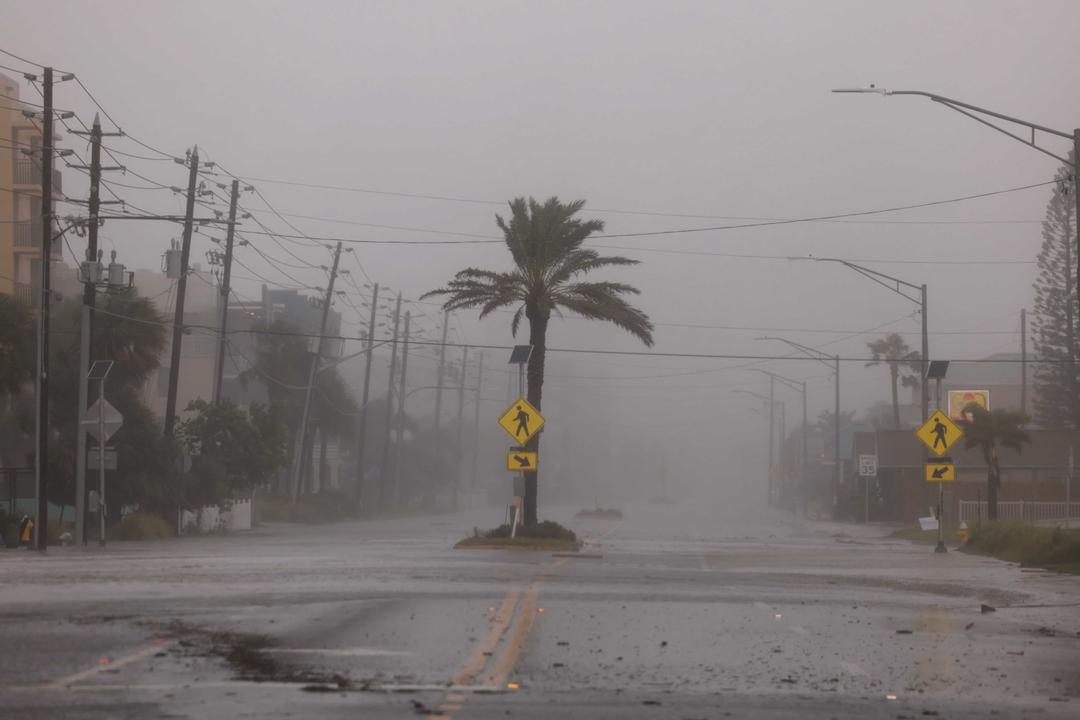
{"x":939,"y":433}
{"x":521,"y":421}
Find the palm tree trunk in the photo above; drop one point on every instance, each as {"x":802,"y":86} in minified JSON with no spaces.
{"x":993,"y":480}
{"x":894,"y":373}
{"x":324,"y":469}
{"x":538,"y":339}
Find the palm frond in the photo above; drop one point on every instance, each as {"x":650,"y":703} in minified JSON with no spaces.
{"x":602,"y":301}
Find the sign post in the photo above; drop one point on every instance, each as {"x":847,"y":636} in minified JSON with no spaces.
{"x":939,"y":433}
{"x":521,"y":421}
{"x":107,"y":422}
{"x":867,"y":470}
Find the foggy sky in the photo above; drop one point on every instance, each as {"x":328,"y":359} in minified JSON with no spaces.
{"x":708,"y":108}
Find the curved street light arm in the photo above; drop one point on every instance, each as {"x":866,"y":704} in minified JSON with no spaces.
{"x":969,"y":110}
{"x":824,"y":358}
{"x":796,"y":385}
{"x":887,"y":281}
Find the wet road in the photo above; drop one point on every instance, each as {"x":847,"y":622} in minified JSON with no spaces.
{"x":683,"y":611}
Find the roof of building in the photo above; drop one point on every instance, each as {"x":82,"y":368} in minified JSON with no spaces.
{"x":987,"y":373}
{"x":901,"y":449}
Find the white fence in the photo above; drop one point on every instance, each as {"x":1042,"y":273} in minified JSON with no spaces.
{"x":1023,"y":510}
{"x":214,"y":519}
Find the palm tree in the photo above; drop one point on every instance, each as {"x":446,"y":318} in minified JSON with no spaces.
{"x":987,"y":430}
{"x":545,"y":242}
{"x":904,"y":364}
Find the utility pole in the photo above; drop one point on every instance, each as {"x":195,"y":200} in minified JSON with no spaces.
{"x":92,"y":277}
{"x":181,"y":291}
{"x":226,"y":272}
{"x":772,"y":439}
{"x":41,"y":527}
{"x":836,"y":439}
{"x":460,"y":421}
{"x":802,"y":473}
{"x":476,"y":419}
{"x":396,"y":495}
{"x":1076,"y":198}
{"x":438,"y":394}
{"x":925,"y":355}
{"x":300,"y":453}
{"x":1023,"y":360}
{"x":361,"y":441}
{"x":383,"y":477}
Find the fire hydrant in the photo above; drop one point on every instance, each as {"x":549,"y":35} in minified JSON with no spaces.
{"x":962,"y":532}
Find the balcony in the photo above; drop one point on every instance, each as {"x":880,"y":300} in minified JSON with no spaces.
{"x":28,"y":295}
{"x":27,"y":234}
{"x":28,"y":172}
{"x":28,"y":239}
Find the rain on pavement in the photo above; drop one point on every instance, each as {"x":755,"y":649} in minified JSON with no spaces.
{"x":717,"y":614}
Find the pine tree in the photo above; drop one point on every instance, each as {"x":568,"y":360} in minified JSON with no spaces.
{"x":1054,"y":321}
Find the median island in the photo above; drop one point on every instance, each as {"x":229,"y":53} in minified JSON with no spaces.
{"x":546,"y":535}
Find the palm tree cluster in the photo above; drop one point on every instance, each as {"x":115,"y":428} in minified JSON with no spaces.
{"x":905,"y":366}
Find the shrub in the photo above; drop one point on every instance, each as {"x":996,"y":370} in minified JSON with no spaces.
{"x":323,"y":507}
{"x":144,"y":525}
{"x":546,"y":530}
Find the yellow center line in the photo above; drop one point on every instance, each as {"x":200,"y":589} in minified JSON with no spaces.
{"x":479,"y":657}
{"x":504,"y":665}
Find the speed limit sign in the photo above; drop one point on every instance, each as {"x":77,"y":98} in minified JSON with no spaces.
{"x":868,"y":466}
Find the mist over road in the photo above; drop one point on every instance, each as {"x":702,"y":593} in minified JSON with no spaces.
{"x":698,"y":610}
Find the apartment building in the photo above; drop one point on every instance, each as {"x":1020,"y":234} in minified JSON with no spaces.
{"x":20,"y":196}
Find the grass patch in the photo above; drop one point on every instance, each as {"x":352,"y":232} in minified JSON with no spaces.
{"x":546,"y":535}
{"x":600,"y":513}
{"x":323,"y":507}
{"x":143,"y":525}
{"x":1030,"y":545}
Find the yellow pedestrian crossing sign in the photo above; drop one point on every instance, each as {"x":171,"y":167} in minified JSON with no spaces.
{"x":943,"y":471}
{"x":518,"y":460}
{"x":939,"y":433}
{"x":521,"y":421}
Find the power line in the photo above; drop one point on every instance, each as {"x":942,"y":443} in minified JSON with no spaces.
{"x":477,"y":201}
{"x":489,"y":239}
{"x":754,"y":256}
{"x":580,"y":351}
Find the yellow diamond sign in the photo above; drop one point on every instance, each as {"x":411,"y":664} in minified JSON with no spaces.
{"x":521,"y":421}
{"x":939,"y":433}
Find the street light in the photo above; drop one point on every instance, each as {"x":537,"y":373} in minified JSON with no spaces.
{"x":825,"y":359}
{"x":800,"y":387}
{"x":973,"y":112}
{"x":895,"y":285}
{"x":771,"y":404}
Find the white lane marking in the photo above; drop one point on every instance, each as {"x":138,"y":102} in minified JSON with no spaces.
{"x":337,"y":652}
{"x":112,"y":665}
{"x":852,"y":668}
{"x":159,"y":687}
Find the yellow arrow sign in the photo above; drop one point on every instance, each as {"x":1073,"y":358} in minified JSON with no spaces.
{"x":940,"y":472}
{"x":521,"y":460}
{"x":521,"y":421}
{"x":939,"y":433}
